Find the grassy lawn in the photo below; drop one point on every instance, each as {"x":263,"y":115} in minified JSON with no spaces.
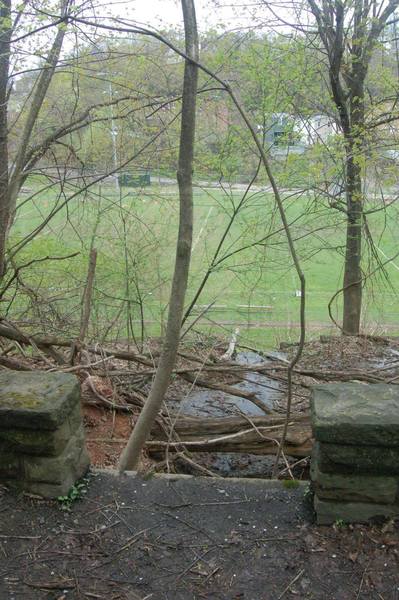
{"x":252,"y":288}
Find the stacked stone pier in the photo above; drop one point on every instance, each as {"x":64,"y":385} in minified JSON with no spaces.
{"x":355,"y":461}
{"x":42,"y":449}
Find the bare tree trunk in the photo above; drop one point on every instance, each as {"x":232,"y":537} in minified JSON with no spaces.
{"x":86,"y":300}
{"x":131,"y":453}
{"x":42,"y":85}
{"x":5,"y":36}
{"x":10,"y":183}
{"x":353,"y":283}
{"x":352,"y":288}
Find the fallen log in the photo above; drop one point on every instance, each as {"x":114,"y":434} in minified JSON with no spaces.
{"x":258,"y":435}
{"x":298,"y":443}
{"x":12,"y":333}
{"x":14,"y":364}
{"x":47,"y":345}
{"x":8,"y":331}
{"x":199,"y":426}
{"x":44,"y":345}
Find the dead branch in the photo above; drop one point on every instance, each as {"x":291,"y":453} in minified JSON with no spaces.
{"x":227,"y":389}
{"x":86,"y":300}
{"x":14,"y":364}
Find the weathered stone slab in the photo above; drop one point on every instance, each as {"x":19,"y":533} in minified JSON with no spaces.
{"x":57,"y":469}
{"x":353,"y":488}
{"x":10,"y":466}
{"x":42,"y":442}
{"x":329,"y":512}
{"x":335,"y":458}
{"x":353,"y":413}
{"x":55,"y":488}
{"x":51,"y":490}
{"x":46,"y":490}
{"x":37,"y":400}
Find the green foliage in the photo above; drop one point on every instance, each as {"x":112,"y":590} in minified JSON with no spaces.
{"x":340,"y":523}
{"x":308,"y":492}
{"x":76,"y":493}
{"x":291,"y":484}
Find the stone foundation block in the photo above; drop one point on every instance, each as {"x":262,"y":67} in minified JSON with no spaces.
{"x":10,"y":466}
{"x":353,"y":488}
{"x":353,"y":413}
{"x":43,"y":442}
{"x":329,"y":512}
{"x":52,"y":490}
{"x":55,"y":469}
{"x":42,"y":449}
{"x":30,"y":479}
{"x":372,"y":460}
{"x":37,"y":400}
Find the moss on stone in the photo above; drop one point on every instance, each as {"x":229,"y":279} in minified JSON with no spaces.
{"x":27,"y":440}
{"x":21,"y":400}
{"x":37,"y":400}
{"x":290,"y":484}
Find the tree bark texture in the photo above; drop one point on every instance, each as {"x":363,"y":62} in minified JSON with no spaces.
{"x":5,"y":36}
{"x":131,"y":454}
{"x":352,"y":288}
{"x":42,"y":85}
{"x":88,"y":292}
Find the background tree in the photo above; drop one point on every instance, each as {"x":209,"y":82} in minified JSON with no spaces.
{"x":347,"y":34}
{"x":12,"y":176}
{"x":141,"y":431}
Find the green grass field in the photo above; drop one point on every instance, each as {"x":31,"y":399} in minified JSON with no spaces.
{"x":254,"y":288}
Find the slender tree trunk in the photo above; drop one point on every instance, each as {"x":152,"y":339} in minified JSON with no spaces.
{"x":352,"y":288}
{"x":5,"y":36}
{"x":42,"y":85}
{"x":87,"y":295}
{"x":352,"y":291}
{"x":131,"y":455}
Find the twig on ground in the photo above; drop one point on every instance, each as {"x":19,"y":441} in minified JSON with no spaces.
{"x":291,"y":583}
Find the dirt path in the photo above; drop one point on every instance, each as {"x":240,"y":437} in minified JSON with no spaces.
{"x":188,"y":539}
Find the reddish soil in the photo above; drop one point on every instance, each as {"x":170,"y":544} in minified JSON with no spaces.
{"x":106,"y":434}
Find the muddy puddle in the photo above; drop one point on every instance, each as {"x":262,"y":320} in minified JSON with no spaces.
{"x":212,"y":403}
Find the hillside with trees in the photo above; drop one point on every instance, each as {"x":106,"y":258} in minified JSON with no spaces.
{"x":180,"y":193}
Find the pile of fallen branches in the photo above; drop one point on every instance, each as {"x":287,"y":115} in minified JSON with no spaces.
{"x":72,"y":355}
{"x":117,"y":385}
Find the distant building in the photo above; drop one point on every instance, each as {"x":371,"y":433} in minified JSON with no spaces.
{"x":294,"y":133}
{"x":318,"y":129}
